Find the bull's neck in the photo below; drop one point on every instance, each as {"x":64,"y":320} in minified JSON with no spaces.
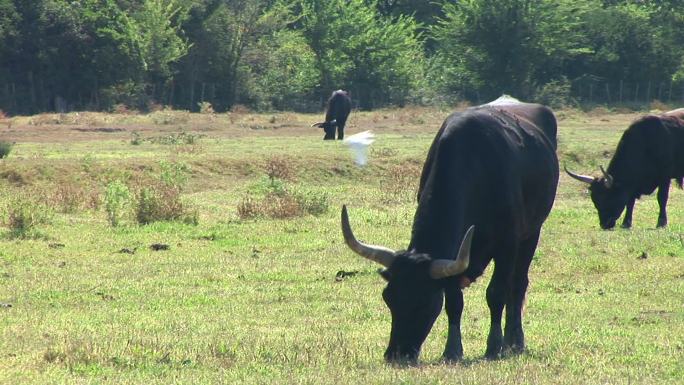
{"x":440,"y":222}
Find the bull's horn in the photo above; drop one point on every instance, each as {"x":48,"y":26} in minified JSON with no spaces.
{"x":319,"y":124}
{"x":581,"y":178}
{"x":609,"y":178}
{"x":442,"y":268}
{"x":379,"y":254}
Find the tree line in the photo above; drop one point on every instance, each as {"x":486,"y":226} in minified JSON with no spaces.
{"x":58,"y":55}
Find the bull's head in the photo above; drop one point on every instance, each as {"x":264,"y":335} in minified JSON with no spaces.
{"x":413,"y":293}
{"x":609,"y":199}
{"x":325,"y":125}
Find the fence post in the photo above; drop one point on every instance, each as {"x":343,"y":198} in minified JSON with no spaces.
{"x":636,"y":93}
{"x":591,"y":92}
{"x":669,"y":94}
{"x":608,"y":92}
{"x":648,"y":92}
{"x":660,"y":91}
{"x":621,"y":85}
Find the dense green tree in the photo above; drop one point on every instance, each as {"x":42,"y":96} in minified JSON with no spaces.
{"x":378,"y":59}
{"x":490,"y":47}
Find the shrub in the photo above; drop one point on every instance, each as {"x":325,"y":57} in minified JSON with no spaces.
{"x":24,"y":213}
{"x":160,"y":200}
{"x":136,"y":138}
{"x":284,"y":203}
{"x":67,"y":197}
{"x":117,"y":199}
{"x":555,"y":94}
{"x":5,"y":149}
{"x":248,"y":208}
{"x":312,"y":202}
{"x":205,"y":108}
{"x":279,"y":168}
{"x":162,"y":203}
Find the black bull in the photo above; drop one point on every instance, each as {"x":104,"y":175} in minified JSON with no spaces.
{"x":489,"y":179}
{"x":649,"y":155}
{"x":336,"y":114}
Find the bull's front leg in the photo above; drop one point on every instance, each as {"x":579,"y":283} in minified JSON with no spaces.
{"x":453,"y":351}
{"x":663,"y":192}
{"x":627,"y":221}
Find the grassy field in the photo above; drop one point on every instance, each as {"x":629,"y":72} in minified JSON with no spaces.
{"x":255,"y":300}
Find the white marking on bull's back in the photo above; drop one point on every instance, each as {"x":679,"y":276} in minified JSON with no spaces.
{"x":503,"y":100}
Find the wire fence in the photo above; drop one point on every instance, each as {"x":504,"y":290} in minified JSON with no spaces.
{"x":598,"y":91}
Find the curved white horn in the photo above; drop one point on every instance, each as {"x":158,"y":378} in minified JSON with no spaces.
{"x":579,"y":177}
{"x":319,"y":124}
{"x":442,"y":268}
{"x":609,"y":178}
{"x":379,"y":254}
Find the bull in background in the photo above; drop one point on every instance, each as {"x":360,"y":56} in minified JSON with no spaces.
{"x":649,"y":155}
{"x":336,"y":114}
{"x":487,"y":186}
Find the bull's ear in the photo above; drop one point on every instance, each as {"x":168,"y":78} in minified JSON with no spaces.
{"x":385,"y":274}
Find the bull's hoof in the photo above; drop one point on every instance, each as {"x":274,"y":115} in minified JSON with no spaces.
{"x":452,"y":357}
{"x":661,"y":224}
{"x":626,"y":225}
{"x":492,"y":355}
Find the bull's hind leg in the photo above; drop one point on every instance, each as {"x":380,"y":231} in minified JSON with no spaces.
{"x":663,"y":193}
{"x":514,"y":338}
{"x":497,"y":293}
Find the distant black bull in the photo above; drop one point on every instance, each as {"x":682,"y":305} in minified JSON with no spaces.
{"x":336,"y":114}
{"x":649,"y":154}
{"x":487,"y":186}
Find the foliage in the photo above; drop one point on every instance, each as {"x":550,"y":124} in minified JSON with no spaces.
{"x":290,"y":54}
{"x":487,"y":48}
{"x":5,"y":149}
{"x":117,"y":200}
{"x":357,"y":49}
{"x":160,"y":199}
{"x":555,"y":94}
{"x":24,"y":213}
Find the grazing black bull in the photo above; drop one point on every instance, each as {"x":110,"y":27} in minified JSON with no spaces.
{"x":487,"y":186}
{"x":649,"y":154}
{"x":336,"y":114}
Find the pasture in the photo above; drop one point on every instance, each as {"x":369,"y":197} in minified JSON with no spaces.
{"x":256,"y":292}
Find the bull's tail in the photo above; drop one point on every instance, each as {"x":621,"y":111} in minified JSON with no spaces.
{"x":679,"y":181}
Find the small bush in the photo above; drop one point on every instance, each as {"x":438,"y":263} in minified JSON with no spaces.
{"x":279,"y":168}
{"x":284,"y":203}
{"x":205,"y":108}
{"x":313,"y":202}
{"x":176,"y":139}
{"x":69,"y":197}
{"x":117,"y":200}
{"x":160,"y":199}
{"x":136,"y":138}
{"x":248,"y":208}
{"x":5,"y":149}
{"x":556,"y":94}
{"x":162,"y":203}
{"x":168,"y":116}
{"x":24,"y":213}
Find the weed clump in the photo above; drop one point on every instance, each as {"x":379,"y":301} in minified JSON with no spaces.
{"x":23,"y":214}
{"x":117,"y":199}
{"x":160,"y":199}
{"x":5,"y":149}
{"x":273,"y":198}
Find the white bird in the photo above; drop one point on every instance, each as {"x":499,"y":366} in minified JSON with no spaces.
{"x":358,"y":144}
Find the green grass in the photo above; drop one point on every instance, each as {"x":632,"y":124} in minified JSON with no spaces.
{"x":256,"y":301}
